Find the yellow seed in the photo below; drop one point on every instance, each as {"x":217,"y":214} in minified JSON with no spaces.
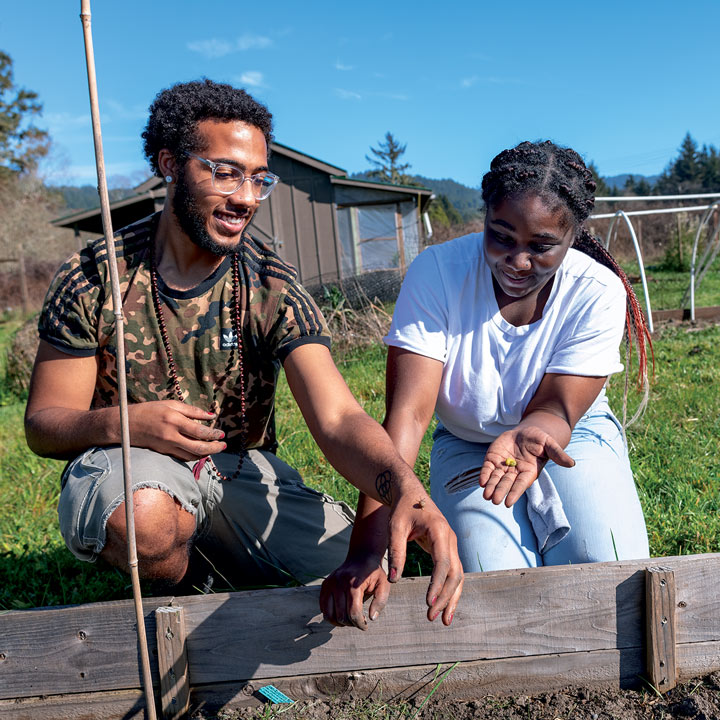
{"x":511,"y":462}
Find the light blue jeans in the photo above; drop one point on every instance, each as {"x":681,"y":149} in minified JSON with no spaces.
{"x":598,"y":496}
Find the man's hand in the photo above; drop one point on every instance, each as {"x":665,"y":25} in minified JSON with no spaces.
{"x":515,"y":459}
{"x":419,"y":519}
{"x":173,"y":428}
{"x":344,"y":591}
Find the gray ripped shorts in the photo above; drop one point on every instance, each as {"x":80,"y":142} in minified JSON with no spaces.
{"x":264,"y":526}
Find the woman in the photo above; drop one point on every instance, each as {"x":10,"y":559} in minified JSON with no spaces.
{"x":510,"y":336}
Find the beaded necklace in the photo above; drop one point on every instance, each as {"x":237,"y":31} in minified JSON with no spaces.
{"x":172,"y":368}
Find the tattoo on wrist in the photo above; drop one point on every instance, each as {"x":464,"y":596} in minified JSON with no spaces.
{"x":383,"y":485}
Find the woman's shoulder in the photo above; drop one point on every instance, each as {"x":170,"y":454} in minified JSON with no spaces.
{"x":581,"y":268}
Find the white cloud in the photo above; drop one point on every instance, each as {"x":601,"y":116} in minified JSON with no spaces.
{"x":489,"y":80}
{"x":65,"y":120}
{"x":217,"y":48}
{"x":252,"y":42}
{"x":341,"y":66}
{"x":253,"y":78}
{"x":347,"y":94}
{"x":213,"y":48}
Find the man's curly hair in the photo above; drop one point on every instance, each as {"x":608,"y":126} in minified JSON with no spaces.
{"x":177,"y":110}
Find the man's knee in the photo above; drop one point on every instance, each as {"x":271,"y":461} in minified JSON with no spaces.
{"x":162,"y":526}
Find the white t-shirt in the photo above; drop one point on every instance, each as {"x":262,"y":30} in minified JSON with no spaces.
{"x":447,"y":311}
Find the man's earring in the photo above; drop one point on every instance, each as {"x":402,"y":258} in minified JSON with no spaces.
{"x":168,"y":178}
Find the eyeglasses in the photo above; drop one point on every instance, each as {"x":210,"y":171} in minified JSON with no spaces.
{"x":227,"y":179}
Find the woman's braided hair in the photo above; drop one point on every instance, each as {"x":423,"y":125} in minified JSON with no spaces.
{"x":559,"y":174}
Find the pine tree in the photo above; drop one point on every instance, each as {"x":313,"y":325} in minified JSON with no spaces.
{"x":710,"y":169}
{"x":686,"y":169}
{"x":685,"y":173}
{"x":386,"y":157}
{"x":602,"y":189}
{"x":22,"y":144}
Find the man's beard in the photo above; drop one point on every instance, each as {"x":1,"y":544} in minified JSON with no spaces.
{"x":192,"y":221}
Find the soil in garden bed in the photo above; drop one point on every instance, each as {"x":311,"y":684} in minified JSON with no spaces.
{"x":696,"y":700}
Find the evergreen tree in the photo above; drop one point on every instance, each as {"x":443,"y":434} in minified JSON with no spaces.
{"x":686,"y":169}
{"x":443,"y":212}
{"x":602,"y":189}
{"x":22,"y":144}
{"x":643,"y":187}
{"x":386,"y":161}
{"x":710,"y":169}
{"x":686,"y":173}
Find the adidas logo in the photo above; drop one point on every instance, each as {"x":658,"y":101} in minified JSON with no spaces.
{"x":228,"y":340}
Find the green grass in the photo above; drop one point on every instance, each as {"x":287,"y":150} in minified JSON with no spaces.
{"x":667,"y":287}
{"x":675,"y":453}
{"x":675,"y":447}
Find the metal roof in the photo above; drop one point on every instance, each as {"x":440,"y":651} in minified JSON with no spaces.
{"x":154,"y":188}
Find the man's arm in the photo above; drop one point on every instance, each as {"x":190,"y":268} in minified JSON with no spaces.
{"x":59,"y":422}
{"x":364,"y":453}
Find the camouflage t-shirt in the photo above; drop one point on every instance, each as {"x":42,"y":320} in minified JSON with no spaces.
{"x":277,"y":315}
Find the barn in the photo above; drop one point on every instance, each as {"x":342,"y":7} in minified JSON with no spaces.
{"x":329,"y":226}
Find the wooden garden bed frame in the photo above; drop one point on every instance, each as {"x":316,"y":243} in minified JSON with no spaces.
{"x":515,"y":631}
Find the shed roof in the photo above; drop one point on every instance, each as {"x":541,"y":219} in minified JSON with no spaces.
{"x":153,"y":189}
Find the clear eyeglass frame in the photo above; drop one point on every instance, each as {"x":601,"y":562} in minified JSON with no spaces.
{"x":261,"y":184}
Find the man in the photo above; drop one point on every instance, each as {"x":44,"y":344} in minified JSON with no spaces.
{"x":211,"y":314}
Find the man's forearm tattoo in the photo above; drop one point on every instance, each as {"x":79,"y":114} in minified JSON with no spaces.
{"x":383,"y":484}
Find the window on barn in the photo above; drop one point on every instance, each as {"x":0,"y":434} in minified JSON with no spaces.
{"x":377,"y":237}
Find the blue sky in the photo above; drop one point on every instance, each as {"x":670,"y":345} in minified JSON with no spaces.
{"x":458,"y":81}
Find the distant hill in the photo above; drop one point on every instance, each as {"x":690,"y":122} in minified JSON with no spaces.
{"x":617,"y":182}
{"x":85,"y":197}
{"x":466,"y":200}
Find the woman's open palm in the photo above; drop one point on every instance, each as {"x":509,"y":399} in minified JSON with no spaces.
{"x":515,"y":459}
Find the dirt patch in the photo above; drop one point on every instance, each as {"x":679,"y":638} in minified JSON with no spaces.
{"x":696,"y":700}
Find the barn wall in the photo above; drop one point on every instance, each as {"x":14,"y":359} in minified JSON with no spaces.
{"x":297,"y":220}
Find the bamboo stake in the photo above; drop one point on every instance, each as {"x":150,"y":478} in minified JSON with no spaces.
{"x":122,"y":382}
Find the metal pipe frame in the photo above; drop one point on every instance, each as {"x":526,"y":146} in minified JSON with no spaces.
{"x":622,"y":214}
{"x":651,"y":198}
{"x":708,"y":256}
{"x":659,"y":211}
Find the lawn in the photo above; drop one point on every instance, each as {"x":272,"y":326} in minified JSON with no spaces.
{"x":675,"y":454}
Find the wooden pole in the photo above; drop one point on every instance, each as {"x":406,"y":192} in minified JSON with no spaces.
{"x":679,"y":239}
{"x":23,"y":284}
{"x":122,"y":382}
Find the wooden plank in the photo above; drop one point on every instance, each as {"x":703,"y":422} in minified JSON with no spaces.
{"x":660,"y":627}
{"x":528,"y":675}
{"x":701,"y":313}
{"x":501,"y":614}
{"x":120,"y":705}
{"x":84,"y":648}
{"x":277,"y":633}
{"x":172,"y":662}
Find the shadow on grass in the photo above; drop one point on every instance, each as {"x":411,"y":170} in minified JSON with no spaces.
{"x":55,"y":577}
